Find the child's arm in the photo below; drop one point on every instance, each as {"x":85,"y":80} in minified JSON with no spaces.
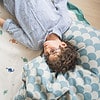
{"x":61,"y":5}
{"x":65,"y":20}
{"x":16,"y":32}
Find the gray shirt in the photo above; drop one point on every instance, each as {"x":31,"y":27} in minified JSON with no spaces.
{"x":37,"y":19}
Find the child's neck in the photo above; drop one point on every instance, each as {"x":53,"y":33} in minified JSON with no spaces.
{"x":52,"y":36}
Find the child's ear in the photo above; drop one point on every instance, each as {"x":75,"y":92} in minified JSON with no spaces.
{"x":63,"y":44}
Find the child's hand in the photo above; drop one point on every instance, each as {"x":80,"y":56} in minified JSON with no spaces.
{"x":1,"y":22}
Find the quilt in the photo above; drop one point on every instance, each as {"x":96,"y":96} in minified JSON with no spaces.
{"x":82,"y":84}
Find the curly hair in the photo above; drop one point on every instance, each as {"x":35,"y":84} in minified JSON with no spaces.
{"x":66,"y":60}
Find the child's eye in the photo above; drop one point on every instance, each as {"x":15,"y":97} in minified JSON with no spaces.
{"x":52,"y":51}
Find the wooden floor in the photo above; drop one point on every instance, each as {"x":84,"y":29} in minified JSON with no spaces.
{"x":91,"y":10}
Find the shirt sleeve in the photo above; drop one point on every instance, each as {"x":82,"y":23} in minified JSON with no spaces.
{"x":17,"y":33}
{"x":61,"y":5}
{"x":10,"y":6}
{"x":65,"y":19}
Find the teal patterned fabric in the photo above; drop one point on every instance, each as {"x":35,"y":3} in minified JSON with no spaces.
{"x":85,"y":80}
{"x":82,"y":84}
{"x":87,"y":40}
{"x":40,"y":83}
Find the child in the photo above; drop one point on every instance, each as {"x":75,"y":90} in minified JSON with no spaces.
{"x":41,"y":24}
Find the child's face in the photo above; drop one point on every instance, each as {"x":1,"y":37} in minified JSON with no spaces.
{"x":52,"y":48}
